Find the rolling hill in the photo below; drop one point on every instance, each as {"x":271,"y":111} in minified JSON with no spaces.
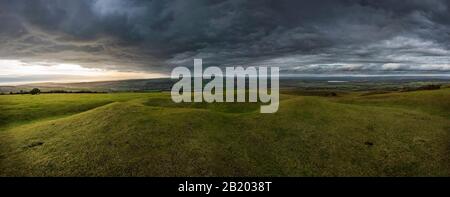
{"x":145,"y":134}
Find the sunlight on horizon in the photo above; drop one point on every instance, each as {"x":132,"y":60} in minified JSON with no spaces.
{"x":14,"y":72}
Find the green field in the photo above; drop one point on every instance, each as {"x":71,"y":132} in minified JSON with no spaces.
{"x":146,"y":134}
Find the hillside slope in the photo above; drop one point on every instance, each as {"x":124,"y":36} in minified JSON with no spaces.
{"x":146,"y":135}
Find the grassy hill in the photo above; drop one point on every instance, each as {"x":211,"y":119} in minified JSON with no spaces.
{"x":145,"y":134}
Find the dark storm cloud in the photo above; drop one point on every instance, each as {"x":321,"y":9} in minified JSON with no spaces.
{"x":324,"y":36}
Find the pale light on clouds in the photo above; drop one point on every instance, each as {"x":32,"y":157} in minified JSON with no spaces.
{"x":63,"y":72}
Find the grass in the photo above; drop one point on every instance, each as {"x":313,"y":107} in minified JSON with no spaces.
{"x":432,"y":102}
{"x":145,"y":134}
{"x":19,"y":109}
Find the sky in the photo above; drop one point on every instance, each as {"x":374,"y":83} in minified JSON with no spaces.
{"x":86,"y":40}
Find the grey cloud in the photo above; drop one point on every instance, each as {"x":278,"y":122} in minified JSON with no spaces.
{"x":158,"y":35}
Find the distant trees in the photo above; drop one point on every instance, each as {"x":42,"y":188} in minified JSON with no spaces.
{"x":35,"y":91}
{"x":68,"y":91}
{"x":19,"y":92}
{"x":425,"y":87}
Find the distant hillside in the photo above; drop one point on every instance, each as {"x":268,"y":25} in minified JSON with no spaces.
{"x":304,"y":83}
{"x":106,"y":86}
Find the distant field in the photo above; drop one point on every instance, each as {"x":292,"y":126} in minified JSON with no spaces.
{"x":307,"y":83}
{"x":145,"y":134}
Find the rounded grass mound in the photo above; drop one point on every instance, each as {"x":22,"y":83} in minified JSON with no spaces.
{"x":146,"y":135}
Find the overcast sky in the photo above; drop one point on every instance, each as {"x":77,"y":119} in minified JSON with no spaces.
{"x":153,"y":36}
